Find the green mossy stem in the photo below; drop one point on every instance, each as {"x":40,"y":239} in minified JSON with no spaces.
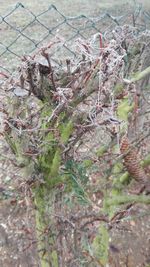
{"x":66,"y":132}
{"x":40,"y":227}
{"x":101,"y":245}
{"x":125,"y":199}
{"x":56,"y":163}
{"x":138,"y":76}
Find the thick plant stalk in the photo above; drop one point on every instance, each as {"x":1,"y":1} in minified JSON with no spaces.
{"x":139,"y":76}
{"x":47,"y":256}
{"x":125,"y":199}
{"x":40,"y":246}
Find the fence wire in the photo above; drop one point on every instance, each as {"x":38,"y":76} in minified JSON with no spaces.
{"x":23,"y":31}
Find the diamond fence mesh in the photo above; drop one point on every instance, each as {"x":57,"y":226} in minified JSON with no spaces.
{"x":23,"y":31}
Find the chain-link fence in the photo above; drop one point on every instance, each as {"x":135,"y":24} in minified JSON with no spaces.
{"x":22,"y":31}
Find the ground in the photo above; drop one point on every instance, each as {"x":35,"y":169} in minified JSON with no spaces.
{"x":69,"y":7}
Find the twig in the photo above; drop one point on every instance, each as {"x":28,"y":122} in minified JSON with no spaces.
{"x":98,"y":218}
{"x":46,"y":55}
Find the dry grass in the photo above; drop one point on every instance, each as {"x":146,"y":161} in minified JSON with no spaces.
{"x":21,"y":17}
{"x":69,"y":7}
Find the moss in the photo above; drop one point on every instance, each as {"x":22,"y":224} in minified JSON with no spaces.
{"x":101,"y":245}
{"x":44,"y":162}
{"x":53,"y":182}
{"x":66,"y":132}
{"x":17,"y":148}
{"x":118,"y":167}
{"x":40,"y":224}
{"x":135,"y":50}
{"x":124,"y":108}
{"x":146,"y":161}
{"x":87,"y":163}
{"x":45,"y":114}
{"x":13,"y":144}
{"x":54,"y":258}
{"x":101,"y":151}
{"x":56,"y":164}
{"x":50,"y":138}
{"x":46,"y":111}
{"x":119,"y":179}
{"x":124,"y":199}
{"x":40,"y":228}
{"x":115,"y":148}
{"x":124,"y":178}
{"x":118,"y":89}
